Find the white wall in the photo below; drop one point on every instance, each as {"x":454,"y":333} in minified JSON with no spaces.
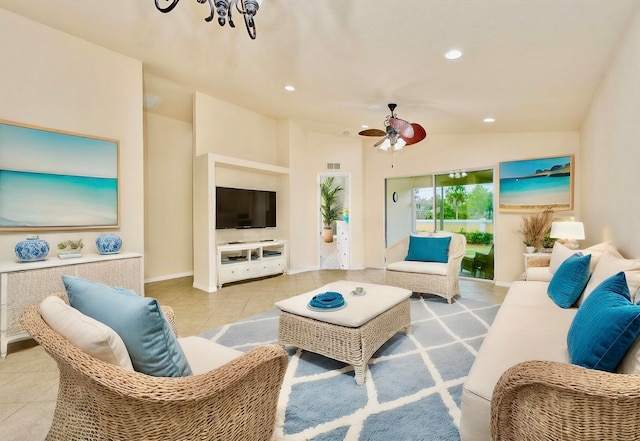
{"x":53,"y":80}
{"x":168,"y":202}
{"x":610,"y":149}
{"x":442,"y":153}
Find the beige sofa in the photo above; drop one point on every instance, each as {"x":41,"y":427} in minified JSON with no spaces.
{"x":522,"y":385}
{"x":426,"y":277}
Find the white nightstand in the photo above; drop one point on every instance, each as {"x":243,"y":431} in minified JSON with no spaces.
{"x":535,"y":260}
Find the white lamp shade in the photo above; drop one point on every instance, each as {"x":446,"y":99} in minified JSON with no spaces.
{"x":385,"y":145}
{"x":567,"y":230}
{"x":399,"y":144}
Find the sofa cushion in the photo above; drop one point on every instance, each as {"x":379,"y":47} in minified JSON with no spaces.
{"x":605,"y":326}
{"x":205,"y":355}
{"x":139,"y":321}
{"x":436,"y":268}
{"x":560,"y":253}
{"x":569,"y":280}
{"x":538,"y":274}
{"x":87,"y":334}
{"x":428,"y":249}
{"x":516,"y":335}
{"x":610,"y":264}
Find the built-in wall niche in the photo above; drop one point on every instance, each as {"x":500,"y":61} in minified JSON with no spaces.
{"x":212,"y":170}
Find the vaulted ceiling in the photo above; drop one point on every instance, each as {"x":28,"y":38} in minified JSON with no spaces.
{"x":531,"y":65}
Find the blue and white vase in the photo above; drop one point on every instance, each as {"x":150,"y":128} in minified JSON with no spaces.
{"x":108,"y":243}
{"x":32,"y":249}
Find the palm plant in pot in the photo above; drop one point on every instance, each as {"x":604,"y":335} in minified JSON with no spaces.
{"x":329,"y":208}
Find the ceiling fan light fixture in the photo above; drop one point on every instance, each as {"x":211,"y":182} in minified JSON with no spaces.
{"x":397,"y":134}
{"x":399,"y":144}
{"x":385,"y":145}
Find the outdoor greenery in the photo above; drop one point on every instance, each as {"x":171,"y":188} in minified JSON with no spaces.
{"x":458,"y":203}
{"x":478,"y":237}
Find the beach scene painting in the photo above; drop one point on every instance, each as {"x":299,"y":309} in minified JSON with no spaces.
{"x":536,"y":184}
{"x":51,"y":180}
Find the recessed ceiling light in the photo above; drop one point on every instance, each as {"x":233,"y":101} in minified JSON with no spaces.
{"x":364,"y":126}
{"x":453,"y":54}
{"x":289,"y":88}
{"x":489,"y":120}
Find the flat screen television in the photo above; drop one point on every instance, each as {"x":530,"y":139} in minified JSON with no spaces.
{"x":240,"y":208}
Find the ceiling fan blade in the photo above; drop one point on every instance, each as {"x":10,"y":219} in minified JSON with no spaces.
{"x":404,"y":128}
{"x":372,"y":132}
{"x":419,"y":133}
{"x":380,"y":142}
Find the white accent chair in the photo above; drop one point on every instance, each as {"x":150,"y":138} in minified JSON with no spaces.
{"x":426,"y":277}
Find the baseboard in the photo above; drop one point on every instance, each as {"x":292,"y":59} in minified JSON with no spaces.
{"x":168,"y":277}
{"x":205,"y":288}
{"x":504,"y":284}
{"x":302,"y":270}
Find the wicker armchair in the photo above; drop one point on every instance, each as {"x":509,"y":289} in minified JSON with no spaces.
{"x":443,"y":285}
{"x":544,"y":400}
{"x":101,"y":401}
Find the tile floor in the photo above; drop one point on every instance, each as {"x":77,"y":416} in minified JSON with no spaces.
{"x":29,"y":377}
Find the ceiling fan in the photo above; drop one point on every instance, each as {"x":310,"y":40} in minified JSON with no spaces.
{"x":398,"y":132}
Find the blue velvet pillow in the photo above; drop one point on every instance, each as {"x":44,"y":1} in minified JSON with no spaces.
{"x":139,"y":321}
{"x":569,"y":280}
{"x":428,"y":249}
{"x":605,"y":326}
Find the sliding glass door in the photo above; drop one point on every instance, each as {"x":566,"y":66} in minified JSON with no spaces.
{"x":456,"y":201}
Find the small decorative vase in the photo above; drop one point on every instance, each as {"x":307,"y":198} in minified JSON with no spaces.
{"x":530,"y":250}
{"x":32,"y":249}
{"x":108,"y":243}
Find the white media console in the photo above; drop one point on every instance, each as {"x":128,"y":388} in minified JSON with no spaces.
{"x":248,"y":260}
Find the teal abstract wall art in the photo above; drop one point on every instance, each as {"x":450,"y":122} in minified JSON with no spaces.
{"x":54,"y":180}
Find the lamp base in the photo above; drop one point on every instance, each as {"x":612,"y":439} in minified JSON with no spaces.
{"x":572,"y":244}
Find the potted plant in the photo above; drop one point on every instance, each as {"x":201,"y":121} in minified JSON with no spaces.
{"x":534,"y":229}
{"x":70,"y":248}
{"x":329,"y":207}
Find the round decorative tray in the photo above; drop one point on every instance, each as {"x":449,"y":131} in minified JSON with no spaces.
{"x":313,"y":308}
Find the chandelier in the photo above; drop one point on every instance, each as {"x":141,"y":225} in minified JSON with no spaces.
{"x":248,"y":8}
{"x":458,"y":174}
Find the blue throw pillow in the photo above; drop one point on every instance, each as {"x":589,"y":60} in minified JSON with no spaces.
{"x":139,"y":321}
{"x":569,"y":280}
{"x":428,"y":249}
{"x":605,"y":326}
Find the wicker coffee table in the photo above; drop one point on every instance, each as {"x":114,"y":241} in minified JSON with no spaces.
{"x":351,"y":334}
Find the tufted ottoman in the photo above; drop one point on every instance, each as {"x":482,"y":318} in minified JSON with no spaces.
{"x":351,"y":334}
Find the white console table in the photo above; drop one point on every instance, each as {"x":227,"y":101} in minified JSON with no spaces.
{"x":23,"y":284}
{"x":248,"y":260}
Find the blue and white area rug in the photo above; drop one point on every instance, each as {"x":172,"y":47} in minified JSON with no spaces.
{"x":412,"y":388}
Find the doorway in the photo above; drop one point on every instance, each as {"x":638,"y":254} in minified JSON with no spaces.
{"x":333,"y":245}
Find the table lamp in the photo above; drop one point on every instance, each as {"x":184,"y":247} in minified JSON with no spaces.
{"x":567,"y":233}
